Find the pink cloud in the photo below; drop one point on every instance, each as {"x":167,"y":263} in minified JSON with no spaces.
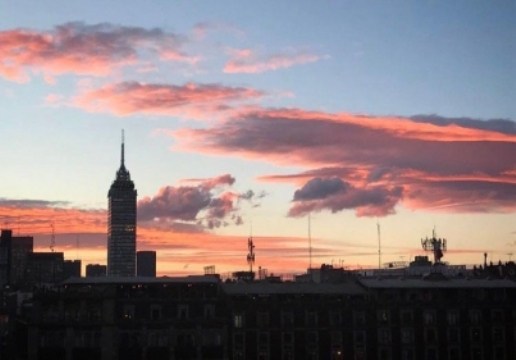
{"x":192,"y":100}
{"x":198,"y":206}
{"x":247,"y":61}
{"x":84,"y":49}
{"x":381,"y":161}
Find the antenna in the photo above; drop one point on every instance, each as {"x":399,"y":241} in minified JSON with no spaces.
{"x":52,"y":238}
{"x":437,"y":246}
{"x":250,"y":254}
{"x":122,"y":160}
{"x":309,"y":241}
{"x":379,"y":244}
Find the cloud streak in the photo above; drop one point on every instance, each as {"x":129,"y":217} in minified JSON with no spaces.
{"x":198,"y":101}
{"x":247,"y":61}
{"x":372,"y":164}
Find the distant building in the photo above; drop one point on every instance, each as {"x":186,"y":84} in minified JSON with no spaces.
{"x":44,"y":268}
{"x":14,"y":251}
{"x":146,"y":263}
{"x":72,"y":268}
{"x":95,"y":270}
{"x":122,"y":224}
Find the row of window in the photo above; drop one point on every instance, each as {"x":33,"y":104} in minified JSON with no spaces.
{"x":335,"y":318}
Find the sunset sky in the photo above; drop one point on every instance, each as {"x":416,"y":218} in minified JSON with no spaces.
{"x":247,"y":117}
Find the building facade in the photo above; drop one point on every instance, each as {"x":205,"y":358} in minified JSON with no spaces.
{"x":14,"y":252}
{"x":146,"y":263}
{"x":122,"y":223}
{"x":96,"y":270}
{"x":205,"y":318}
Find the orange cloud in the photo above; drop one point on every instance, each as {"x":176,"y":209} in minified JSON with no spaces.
{"x":248,"y":62}
{"x":84,"y":49}
{"x":83,"y":234}
{"x":191,"y":100}
{"x":414,"y":162}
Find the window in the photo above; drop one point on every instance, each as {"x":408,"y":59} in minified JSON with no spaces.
{"x":384,"y":354}
{"x":407,"y":354}
{"x":238,"y":321}
{"x":383,"y":316}
{"x":407,"y":317}
{"x":407,"y":335}
{"x":431,"y":353}
{"x":498,"y":335}
{"x":238,"y":339}
{"x":209,"y":311}
{"x":335,"y":318}
{"x":430,"y":335}
{"x":384,"y":336}
{"x":453,"y":335}
{"x":288,"y":338}
{"x":359,"y":318}
{"x":287,"y":318}
{"x":499,"y":352}
{"x":454,"y":353}
{"x":429,"y":317}
{"x":475,"y":335}
{"x":263,"y":340}
{"x":155,"y":312}
{"x":311,"y":338}
{"x":128,"y":312}
{"x":476,"y":354}
{"x":262,"y":319}
{"x":359,"y":338}
{"x":452,"y":317}
{"x":311,"y":318}
{"x":497,"y":316}
{"x":336,"y":338}
{"x":475,"y":317}
{"x":182,"y":312}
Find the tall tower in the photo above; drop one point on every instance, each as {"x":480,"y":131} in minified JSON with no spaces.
{"x":122,"y":223}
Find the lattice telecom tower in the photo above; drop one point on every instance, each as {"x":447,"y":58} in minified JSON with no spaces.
{"x":437,"y":246}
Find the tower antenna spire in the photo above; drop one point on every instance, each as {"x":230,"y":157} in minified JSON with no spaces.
{"x":122,"y":160}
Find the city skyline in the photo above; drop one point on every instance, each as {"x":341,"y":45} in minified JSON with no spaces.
{"x":246,"y":119}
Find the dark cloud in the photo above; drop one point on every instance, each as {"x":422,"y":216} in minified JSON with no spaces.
{"x":27,"y":203}
{"x":181,"y":203}
{"x":201,"y":204}
{"x":504,"y":126}
{"x":336,"y":195}
{"x":380,"y":159}
{"x":318,"y":188}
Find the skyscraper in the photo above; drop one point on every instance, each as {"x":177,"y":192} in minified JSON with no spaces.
{"x":146,"y":263}
{"x":122,"y":223}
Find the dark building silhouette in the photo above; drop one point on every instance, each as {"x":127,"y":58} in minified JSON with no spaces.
{"x":44,"y":268}
{"x":146,"y":263}
{"x":121,"y":259}
{"x":14,"y":251}
{"x":72,"y":268}
{"x":96,"y":270}
{"x":200,"y":317}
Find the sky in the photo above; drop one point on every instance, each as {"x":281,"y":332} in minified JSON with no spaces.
{"x":335,"y":124}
